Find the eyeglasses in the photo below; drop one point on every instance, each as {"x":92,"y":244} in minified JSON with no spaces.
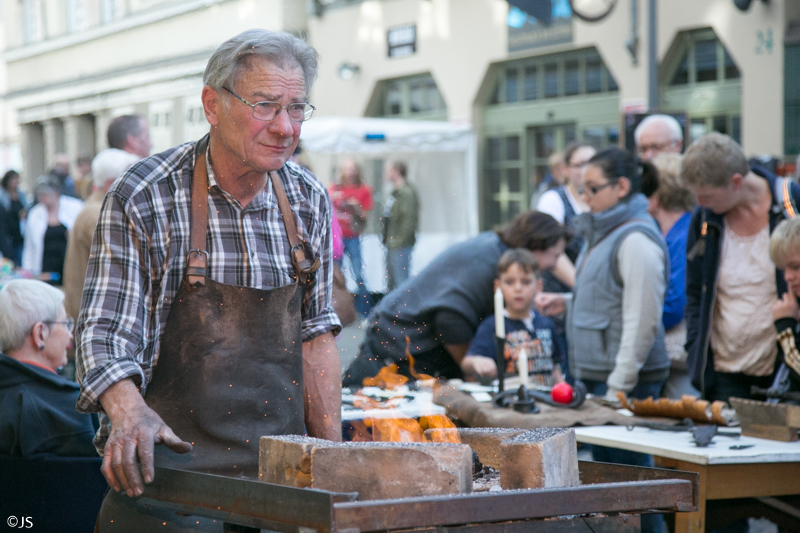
{"x":643,"y":149}
{"x":69,"y":323}
{"x":591,"y":191}
{"x":266,"y":111}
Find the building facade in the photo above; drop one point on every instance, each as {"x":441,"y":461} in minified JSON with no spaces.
{"x":528,"y":88}
{"x":74,"y":65}
{"x":524,"y":87}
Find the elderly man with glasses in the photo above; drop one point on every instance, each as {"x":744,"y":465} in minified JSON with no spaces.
{"x":206,"y":320}
{"x":658,"y":134}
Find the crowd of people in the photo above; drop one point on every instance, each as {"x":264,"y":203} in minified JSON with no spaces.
{"x":648,"y":274}
{"x":665,"y":287}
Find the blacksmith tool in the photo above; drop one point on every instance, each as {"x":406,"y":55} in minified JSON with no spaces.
{"x":779,"y":390}
{"x":788,"y":397}
{"x":702,"y":435}
{"x":521,"y":400}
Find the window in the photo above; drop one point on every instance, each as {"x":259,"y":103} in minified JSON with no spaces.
{"x":32,"y":24}
{"x":552,"y":76}
{"x":531,"y":83}
{"x":551,"y":80}
{"x":681,"y":76}
{"x":76,"y":15}
{"x":416,"y":96}
{"x":412,"y":97}
{"x":512,"y":87}
{"x":394,"y":99}
{"x":505,"y":194}
{"x":594,"y":77}
{"x":729,"y":124}
{"x":572,"y":84}
{"x":110,"y":10}
{"x":703,"y":59}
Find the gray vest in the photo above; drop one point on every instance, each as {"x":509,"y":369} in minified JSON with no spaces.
{"x":594,"y":320}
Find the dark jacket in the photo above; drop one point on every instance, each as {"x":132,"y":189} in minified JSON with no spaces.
{"x":37,"y":413}
{"x":703,"y":252}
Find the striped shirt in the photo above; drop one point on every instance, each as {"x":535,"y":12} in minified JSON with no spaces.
{"x":139,"y":253}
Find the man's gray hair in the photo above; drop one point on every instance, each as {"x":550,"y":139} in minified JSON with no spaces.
{"x":23,"y":303}
{"x":281,"y":48}
{"x":110,"y":164}
{"x":675,"y":131}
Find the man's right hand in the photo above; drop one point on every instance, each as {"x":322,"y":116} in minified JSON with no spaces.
{"x":135,"y":430}
{"x":550,"y":303}
{"x":786,"y":307}
{"x":479,"y":365}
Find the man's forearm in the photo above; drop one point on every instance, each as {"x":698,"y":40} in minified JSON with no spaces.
{"x":564,"y":271}
{"x":457,"y":351}
{"x":120,"y":398}
{"x":322,"y":381}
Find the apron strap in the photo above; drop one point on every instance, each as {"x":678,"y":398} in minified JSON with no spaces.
{"x":303,"y":267}
{"x":197,"y":260}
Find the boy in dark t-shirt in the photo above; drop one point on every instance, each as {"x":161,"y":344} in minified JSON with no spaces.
{"x":517,"y":277}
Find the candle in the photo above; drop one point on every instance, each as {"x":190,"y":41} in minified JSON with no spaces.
{"x":522,"y":366}
{"x":499,"y":318}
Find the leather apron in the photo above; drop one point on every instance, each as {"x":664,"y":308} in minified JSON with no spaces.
{"x":230,"y":370}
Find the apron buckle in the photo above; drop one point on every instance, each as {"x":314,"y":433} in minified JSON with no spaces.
{"x":197,"y":263}
{"x":305,"y":269}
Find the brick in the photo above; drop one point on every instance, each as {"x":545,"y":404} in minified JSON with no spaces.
{"x":540,"y":458}
{"x":376,"y":470}
{"x":484,"y":441}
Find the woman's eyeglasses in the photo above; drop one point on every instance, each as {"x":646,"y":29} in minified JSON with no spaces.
{"x":592,"y":190}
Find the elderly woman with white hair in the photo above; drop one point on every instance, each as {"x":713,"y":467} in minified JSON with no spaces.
{"x":37,"y":405}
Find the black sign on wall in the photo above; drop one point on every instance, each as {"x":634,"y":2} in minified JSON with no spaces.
{"x":402,"y":40}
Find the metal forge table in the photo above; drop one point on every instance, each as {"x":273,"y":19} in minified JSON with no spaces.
{"x":610,"y":499}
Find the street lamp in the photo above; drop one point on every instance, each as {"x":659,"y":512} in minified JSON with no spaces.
{"x":347,"y":71}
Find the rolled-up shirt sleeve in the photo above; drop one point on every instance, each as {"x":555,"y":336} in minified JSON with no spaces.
{"x":318,"y":314}
{"x":110,"y":339}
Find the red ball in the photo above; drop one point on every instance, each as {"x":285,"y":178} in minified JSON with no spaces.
{"x":562,"y":393}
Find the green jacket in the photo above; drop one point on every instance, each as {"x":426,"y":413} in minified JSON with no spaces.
{"x":401,"y":218}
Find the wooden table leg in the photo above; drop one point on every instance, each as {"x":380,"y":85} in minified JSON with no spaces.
{"x":693,"y":522}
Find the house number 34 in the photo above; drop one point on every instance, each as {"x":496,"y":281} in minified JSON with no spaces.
{"x":764,"y":42}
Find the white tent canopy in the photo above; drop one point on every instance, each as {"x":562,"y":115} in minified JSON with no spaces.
{"x":337,"y":135}
{"x":442,"y":164}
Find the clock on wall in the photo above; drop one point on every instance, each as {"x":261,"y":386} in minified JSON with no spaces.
{"x":592,"y":10}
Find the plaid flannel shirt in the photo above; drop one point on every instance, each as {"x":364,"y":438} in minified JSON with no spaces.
{"x":138,"y":259}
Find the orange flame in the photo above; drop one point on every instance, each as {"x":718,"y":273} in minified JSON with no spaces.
{"x":397,"y":429}
{"x":403,"y":430}
{"x":387,"y":378}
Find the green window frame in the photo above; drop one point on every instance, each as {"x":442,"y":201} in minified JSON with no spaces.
{"x":553,"y":76}
{"x":410,"y":97}
{"x":702,"y":59}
